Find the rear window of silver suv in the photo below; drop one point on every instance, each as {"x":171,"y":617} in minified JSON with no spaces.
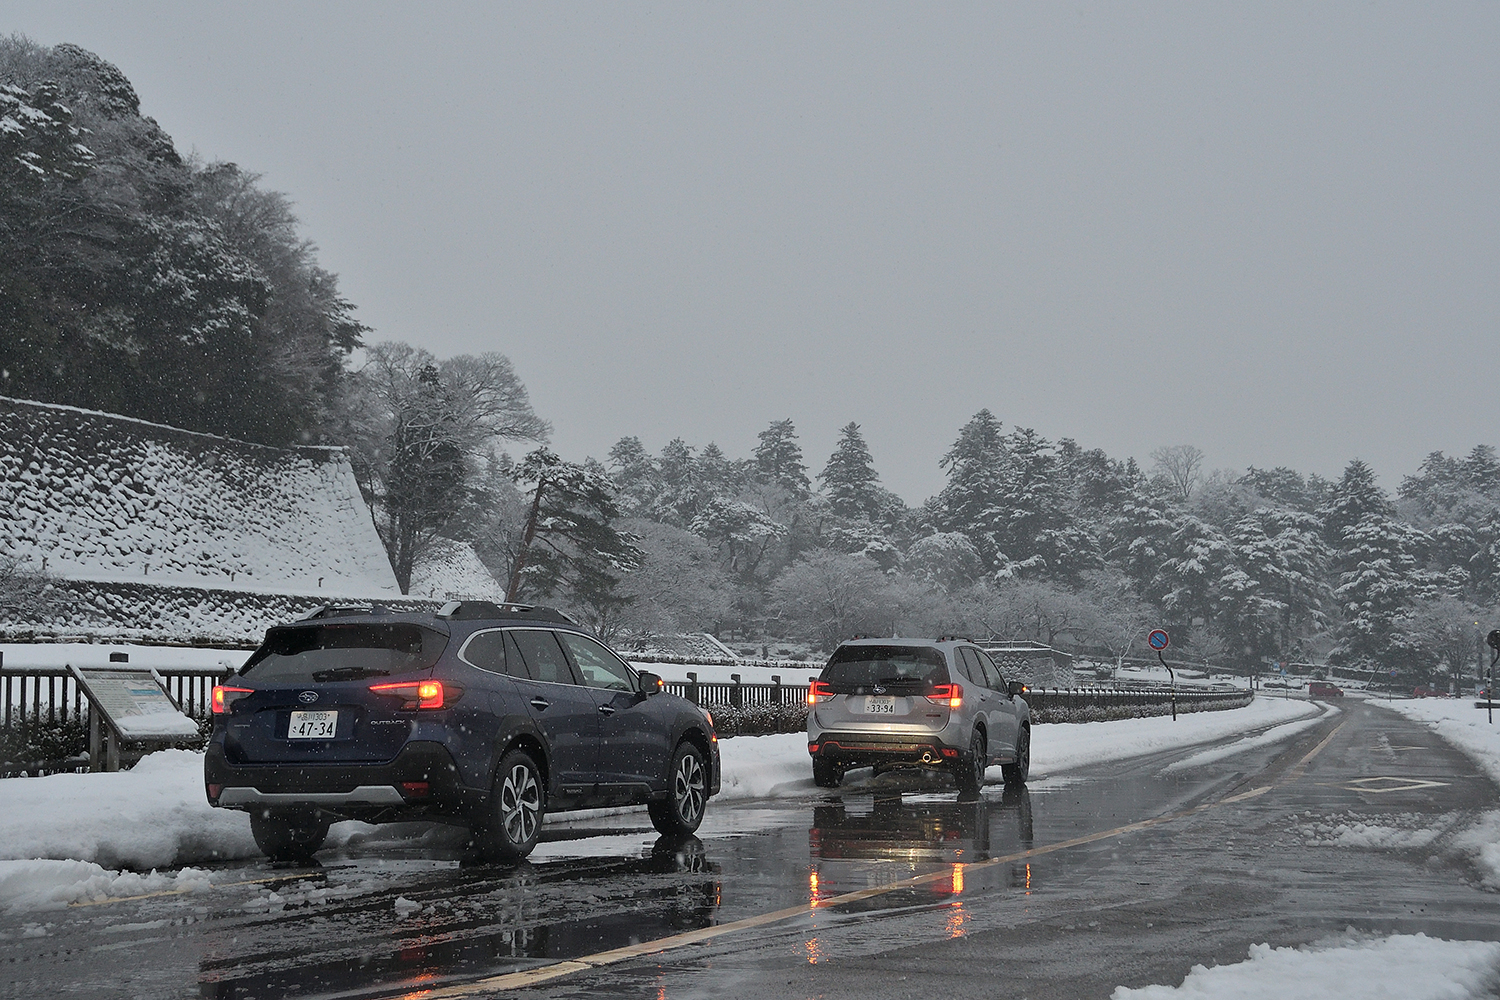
{"x":855,"y":668}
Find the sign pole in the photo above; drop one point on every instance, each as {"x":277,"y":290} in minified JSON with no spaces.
{"x":1493,"y":641}
{"x":1159,"y":640}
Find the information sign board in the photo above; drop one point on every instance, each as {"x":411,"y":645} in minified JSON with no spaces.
{"x":133,"y":701}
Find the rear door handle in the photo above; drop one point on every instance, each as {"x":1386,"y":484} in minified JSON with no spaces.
{"x":607,"y":709}
{"x":540,"y":703}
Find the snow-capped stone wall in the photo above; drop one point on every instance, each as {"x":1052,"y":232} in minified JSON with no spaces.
{"x":100,"y":497}
{"x":153,"y":534}
{"x":452,"y":571}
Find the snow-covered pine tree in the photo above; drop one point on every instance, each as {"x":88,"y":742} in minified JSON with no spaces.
{"x":571,"y":544}
{"x":778,"y":458}
{"x":849,"y":479}
{"x":976,"y":467}
{"x":1353,"y":498}
{"x":1379,"y":575}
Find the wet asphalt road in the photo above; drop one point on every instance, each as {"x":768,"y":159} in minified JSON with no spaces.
{"x":1207,"y":879}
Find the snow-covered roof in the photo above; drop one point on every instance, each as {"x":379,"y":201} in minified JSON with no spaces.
{"x":99,"y":497}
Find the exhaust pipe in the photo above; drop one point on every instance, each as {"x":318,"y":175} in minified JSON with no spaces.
{"x":927,"y":757}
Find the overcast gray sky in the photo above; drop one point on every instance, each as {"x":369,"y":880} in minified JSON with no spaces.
{"x":1270,"y":230}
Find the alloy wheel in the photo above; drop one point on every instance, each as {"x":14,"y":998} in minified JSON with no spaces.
{"x":688,"y":786}
{"x":520,"y":804}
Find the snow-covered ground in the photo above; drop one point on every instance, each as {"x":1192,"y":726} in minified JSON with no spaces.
{"x":1404,"y":966}
{"x":77,"y":836}
{"x":1458,"y":722}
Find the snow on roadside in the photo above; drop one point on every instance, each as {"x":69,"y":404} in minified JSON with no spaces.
{"x":49,"y":884}
{"x":152,"y":816}
{"x":1405,"y":966}
{"x":1067,"y":746}
{"x":1459,"y":723}
{"x":1275,"y":735}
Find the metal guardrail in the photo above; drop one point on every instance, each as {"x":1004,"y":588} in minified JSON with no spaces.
{"x":741,"y":695}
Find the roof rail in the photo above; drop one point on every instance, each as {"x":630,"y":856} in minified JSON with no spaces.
{"x":343,"y":611}
{"x":474,"y":610}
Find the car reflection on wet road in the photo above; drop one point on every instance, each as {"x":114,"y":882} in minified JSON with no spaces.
{"x":1118,"y":874}
{"x":454,"y":926}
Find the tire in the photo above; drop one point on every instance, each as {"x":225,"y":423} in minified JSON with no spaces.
{"x":513,"y":818}
{"x":1016,"y":774}
{"x":288,"y":836}
{"x":971,"y":766}
{"x":687,"y":794}
{"x":827,"y":774}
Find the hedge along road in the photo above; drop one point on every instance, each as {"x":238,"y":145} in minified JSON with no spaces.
{"x":1124,"y":874}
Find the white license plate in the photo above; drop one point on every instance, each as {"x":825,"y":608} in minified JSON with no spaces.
{"x":312,"y":726}
{"x":876,"y":704}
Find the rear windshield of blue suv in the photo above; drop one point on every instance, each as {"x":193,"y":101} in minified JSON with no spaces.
{"x":855,"y":668}
{"x":321,"y":653}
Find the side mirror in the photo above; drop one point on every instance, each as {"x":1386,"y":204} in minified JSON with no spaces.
{"x":1014,"y":688}
{"x":648,"y":683}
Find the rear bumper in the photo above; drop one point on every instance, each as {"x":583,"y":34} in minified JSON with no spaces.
{"x":883,"y":749}
{"x":393,"y":790}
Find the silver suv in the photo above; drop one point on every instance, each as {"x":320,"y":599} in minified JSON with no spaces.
{"x":938,"y":704}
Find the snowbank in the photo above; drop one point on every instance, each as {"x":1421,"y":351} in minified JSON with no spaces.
{"x":1404,"y":966}
{"x":50,"y":885}
{"x":153,"y":816}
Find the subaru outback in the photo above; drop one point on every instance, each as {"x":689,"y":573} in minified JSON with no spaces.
{"x":481,"y":715}
{"x":917,"y":703}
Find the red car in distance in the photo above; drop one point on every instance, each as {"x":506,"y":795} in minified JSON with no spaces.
{"x":1322,"y":689}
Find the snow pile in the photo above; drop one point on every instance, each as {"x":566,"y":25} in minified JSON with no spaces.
{"x":153,"y":816}
{"x":754,"y":767}
{"x":50,"y":885}
{"x":1402,"y":831}
{"x":1482,"y":840}
{"x":1401,"y":967}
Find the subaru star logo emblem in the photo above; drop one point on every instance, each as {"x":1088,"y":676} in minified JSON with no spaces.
{"x":308,"y":697}
{"x":879,"y":689}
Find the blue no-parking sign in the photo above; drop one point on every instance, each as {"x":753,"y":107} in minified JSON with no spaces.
{"x":1158,"y":639}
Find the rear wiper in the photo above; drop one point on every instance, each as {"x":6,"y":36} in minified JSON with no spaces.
{"x":348,"y":673}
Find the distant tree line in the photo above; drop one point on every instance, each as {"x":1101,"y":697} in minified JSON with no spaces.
{"x":139,"y":282}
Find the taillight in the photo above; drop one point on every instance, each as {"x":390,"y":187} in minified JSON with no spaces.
{"x":223,"y":697}
{"x":414,"y":694}
{"x":953,"y":694}
{"x":819,"y":690}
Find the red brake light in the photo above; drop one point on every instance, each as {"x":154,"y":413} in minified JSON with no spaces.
{"x":223,"y":697}
{"x":819,"y":689}
{"x":953,"y":694}
{"x":415,"y":694}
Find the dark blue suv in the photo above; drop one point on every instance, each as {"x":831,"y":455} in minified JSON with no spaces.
{"x":478,"y":714}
